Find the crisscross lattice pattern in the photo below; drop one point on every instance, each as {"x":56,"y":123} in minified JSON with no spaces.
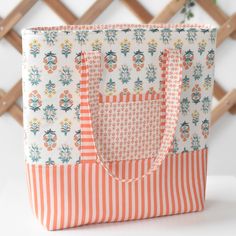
{"x":227,"y":28}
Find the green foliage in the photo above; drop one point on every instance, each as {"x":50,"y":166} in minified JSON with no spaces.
{"x":187,"y":10}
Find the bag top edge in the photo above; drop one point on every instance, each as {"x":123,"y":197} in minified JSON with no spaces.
{"x":74,"y":28}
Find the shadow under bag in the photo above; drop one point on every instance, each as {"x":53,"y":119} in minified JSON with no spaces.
{"x":116,"y":121}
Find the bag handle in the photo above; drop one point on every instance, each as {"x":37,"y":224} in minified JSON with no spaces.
{"x":172,"y":75}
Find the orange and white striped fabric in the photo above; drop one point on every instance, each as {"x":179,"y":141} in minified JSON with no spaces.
{"x":73,"y":195}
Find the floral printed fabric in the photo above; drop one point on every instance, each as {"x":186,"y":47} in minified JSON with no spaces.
{"x":134,"y":128}
{"x":131,"y":62}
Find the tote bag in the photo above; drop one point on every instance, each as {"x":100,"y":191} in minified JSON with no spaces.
{"x":116,"y":121}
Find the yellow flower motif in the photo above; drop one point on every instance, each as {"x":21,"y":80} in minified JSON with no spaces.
{"x":66,"y":43}
{"x":125,"y":46}
{"x":66,"y":47}
{"x":125,"y":42}
{"x":34,"y":121}
{"x":202,"y":43}
{"x":65,"y":126}
{"x":153,"y":42}
{"x":35,"y":43}
{"x":178,"y":44}
{"x":202,"y":46}
{"x":96,"y":45}
{"x":66,"y":121}
{"x":34,"y":125}
{"x":50,"y":94}
{"x":195,"y":117}
{"x":152,"y":46}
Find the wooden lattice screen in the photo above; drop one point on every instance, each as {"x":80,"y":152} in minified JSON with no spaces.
{"x":227,"y":100}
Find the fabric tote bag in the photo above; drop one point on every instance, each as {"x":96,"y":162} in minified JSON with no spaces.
{"x":116,"y":121}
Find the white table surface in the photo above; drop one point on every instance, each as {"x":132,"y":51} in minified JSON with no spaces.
{"x":218,"y":218}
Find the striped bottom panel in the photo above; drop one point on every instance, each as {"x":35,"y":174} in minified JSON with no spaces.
{"x":65,"y":196}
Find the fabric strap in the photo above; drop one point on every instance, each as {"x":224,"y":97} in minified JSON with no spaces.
{"x":172,"y":77}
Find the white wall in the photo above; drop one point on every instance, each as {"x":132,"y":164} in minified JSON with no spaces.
{"x":222,"y":159}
